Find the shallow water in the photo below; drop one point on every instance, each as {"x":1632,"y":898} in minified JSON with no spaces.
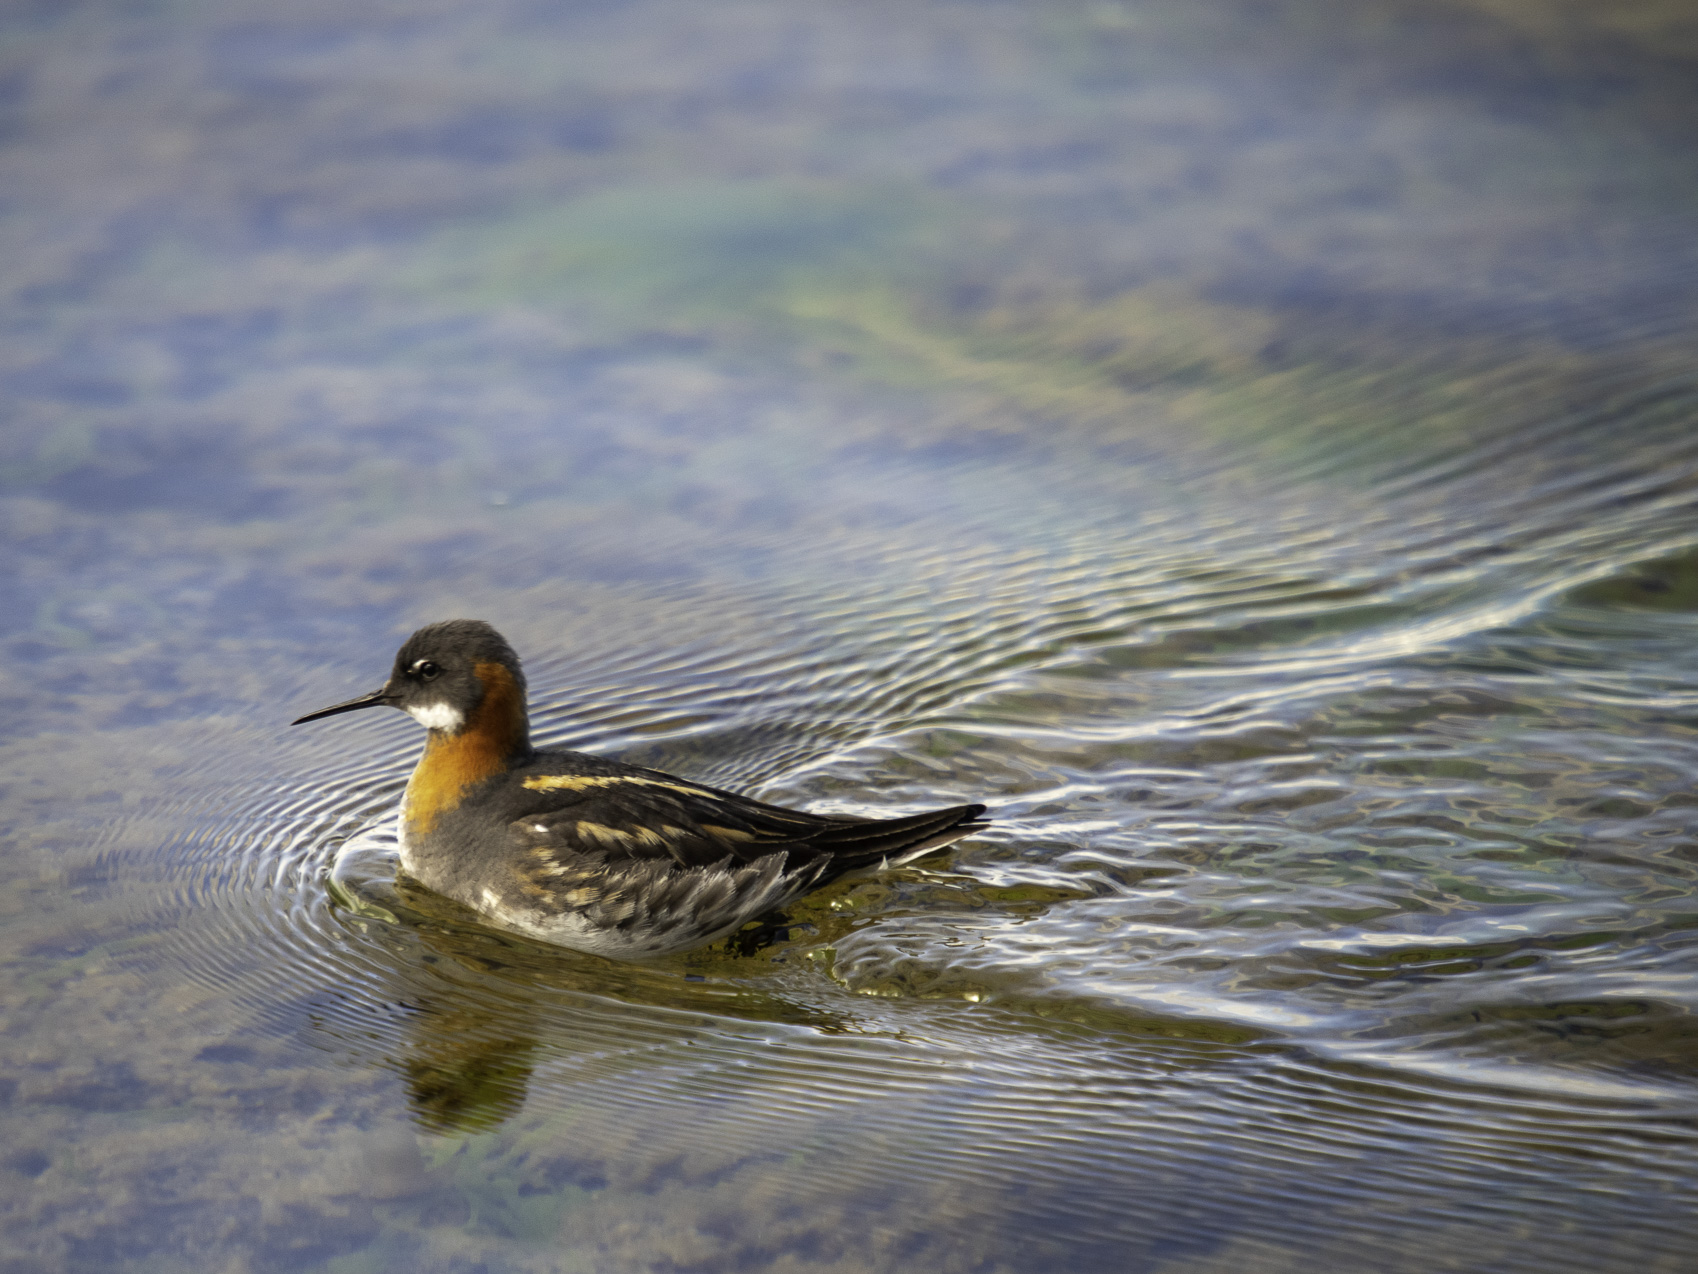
{"x":1252,"y":448}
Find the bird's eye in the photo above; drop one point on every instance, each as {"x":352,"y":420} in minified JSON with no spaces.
{"x":426,"y":670}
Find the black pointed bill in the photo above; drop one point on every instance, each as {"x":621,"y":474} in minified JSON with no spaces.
{"x":376,"y":699}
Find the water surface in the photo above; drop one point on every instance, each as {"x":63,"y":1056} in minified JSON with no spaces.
{"x":1250,"y":447}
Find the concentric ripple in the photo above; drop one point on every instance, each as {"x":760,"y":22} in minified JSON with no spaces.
{"x":1321,"y":852}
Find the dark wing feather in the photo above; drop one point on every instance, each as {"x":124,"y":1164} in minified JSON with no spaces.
{"x":861,"y":844}
{"x":631,"y":814}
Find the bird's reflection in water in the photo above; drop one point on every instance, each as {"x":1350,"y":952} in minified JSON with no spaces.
{"x":460,"y":1076}
{"x":481,"y":1009}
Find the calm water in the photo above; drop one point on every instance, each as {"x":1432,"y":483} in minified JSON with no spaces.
{"x":1253,"y":447}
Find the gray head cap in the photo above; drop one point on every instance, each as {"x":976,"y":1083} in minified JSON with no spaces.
{"x":459,"y":642}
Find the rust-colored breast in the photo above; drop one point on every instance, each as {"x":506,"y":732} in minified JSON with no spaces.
{"x":453,"y":762}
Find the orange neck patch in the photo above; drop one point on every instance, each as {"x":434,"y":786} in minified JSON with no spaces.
{"x":497,"y":732}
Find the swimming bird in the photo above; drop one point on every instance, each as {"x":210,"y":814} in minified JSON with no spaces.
{"x":587,"y":852}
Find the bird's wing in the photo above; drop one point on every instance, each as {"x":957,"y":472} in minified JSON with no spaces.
{"x":642,"y":816}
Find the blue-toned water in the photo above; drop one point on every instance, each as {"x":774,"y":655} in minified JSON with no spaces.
{"x":1253,"y":448}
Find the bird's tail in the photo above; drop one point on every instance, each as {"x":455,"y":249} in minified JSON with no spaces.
{"x":897,"y":840}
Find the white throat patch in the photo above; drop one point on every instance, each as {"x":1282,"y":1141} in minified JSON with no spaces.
{"x":437,"y":716}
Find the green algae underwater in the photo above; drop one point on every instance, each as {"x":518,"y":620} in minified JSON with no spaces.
{"x":1251,"y":447}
